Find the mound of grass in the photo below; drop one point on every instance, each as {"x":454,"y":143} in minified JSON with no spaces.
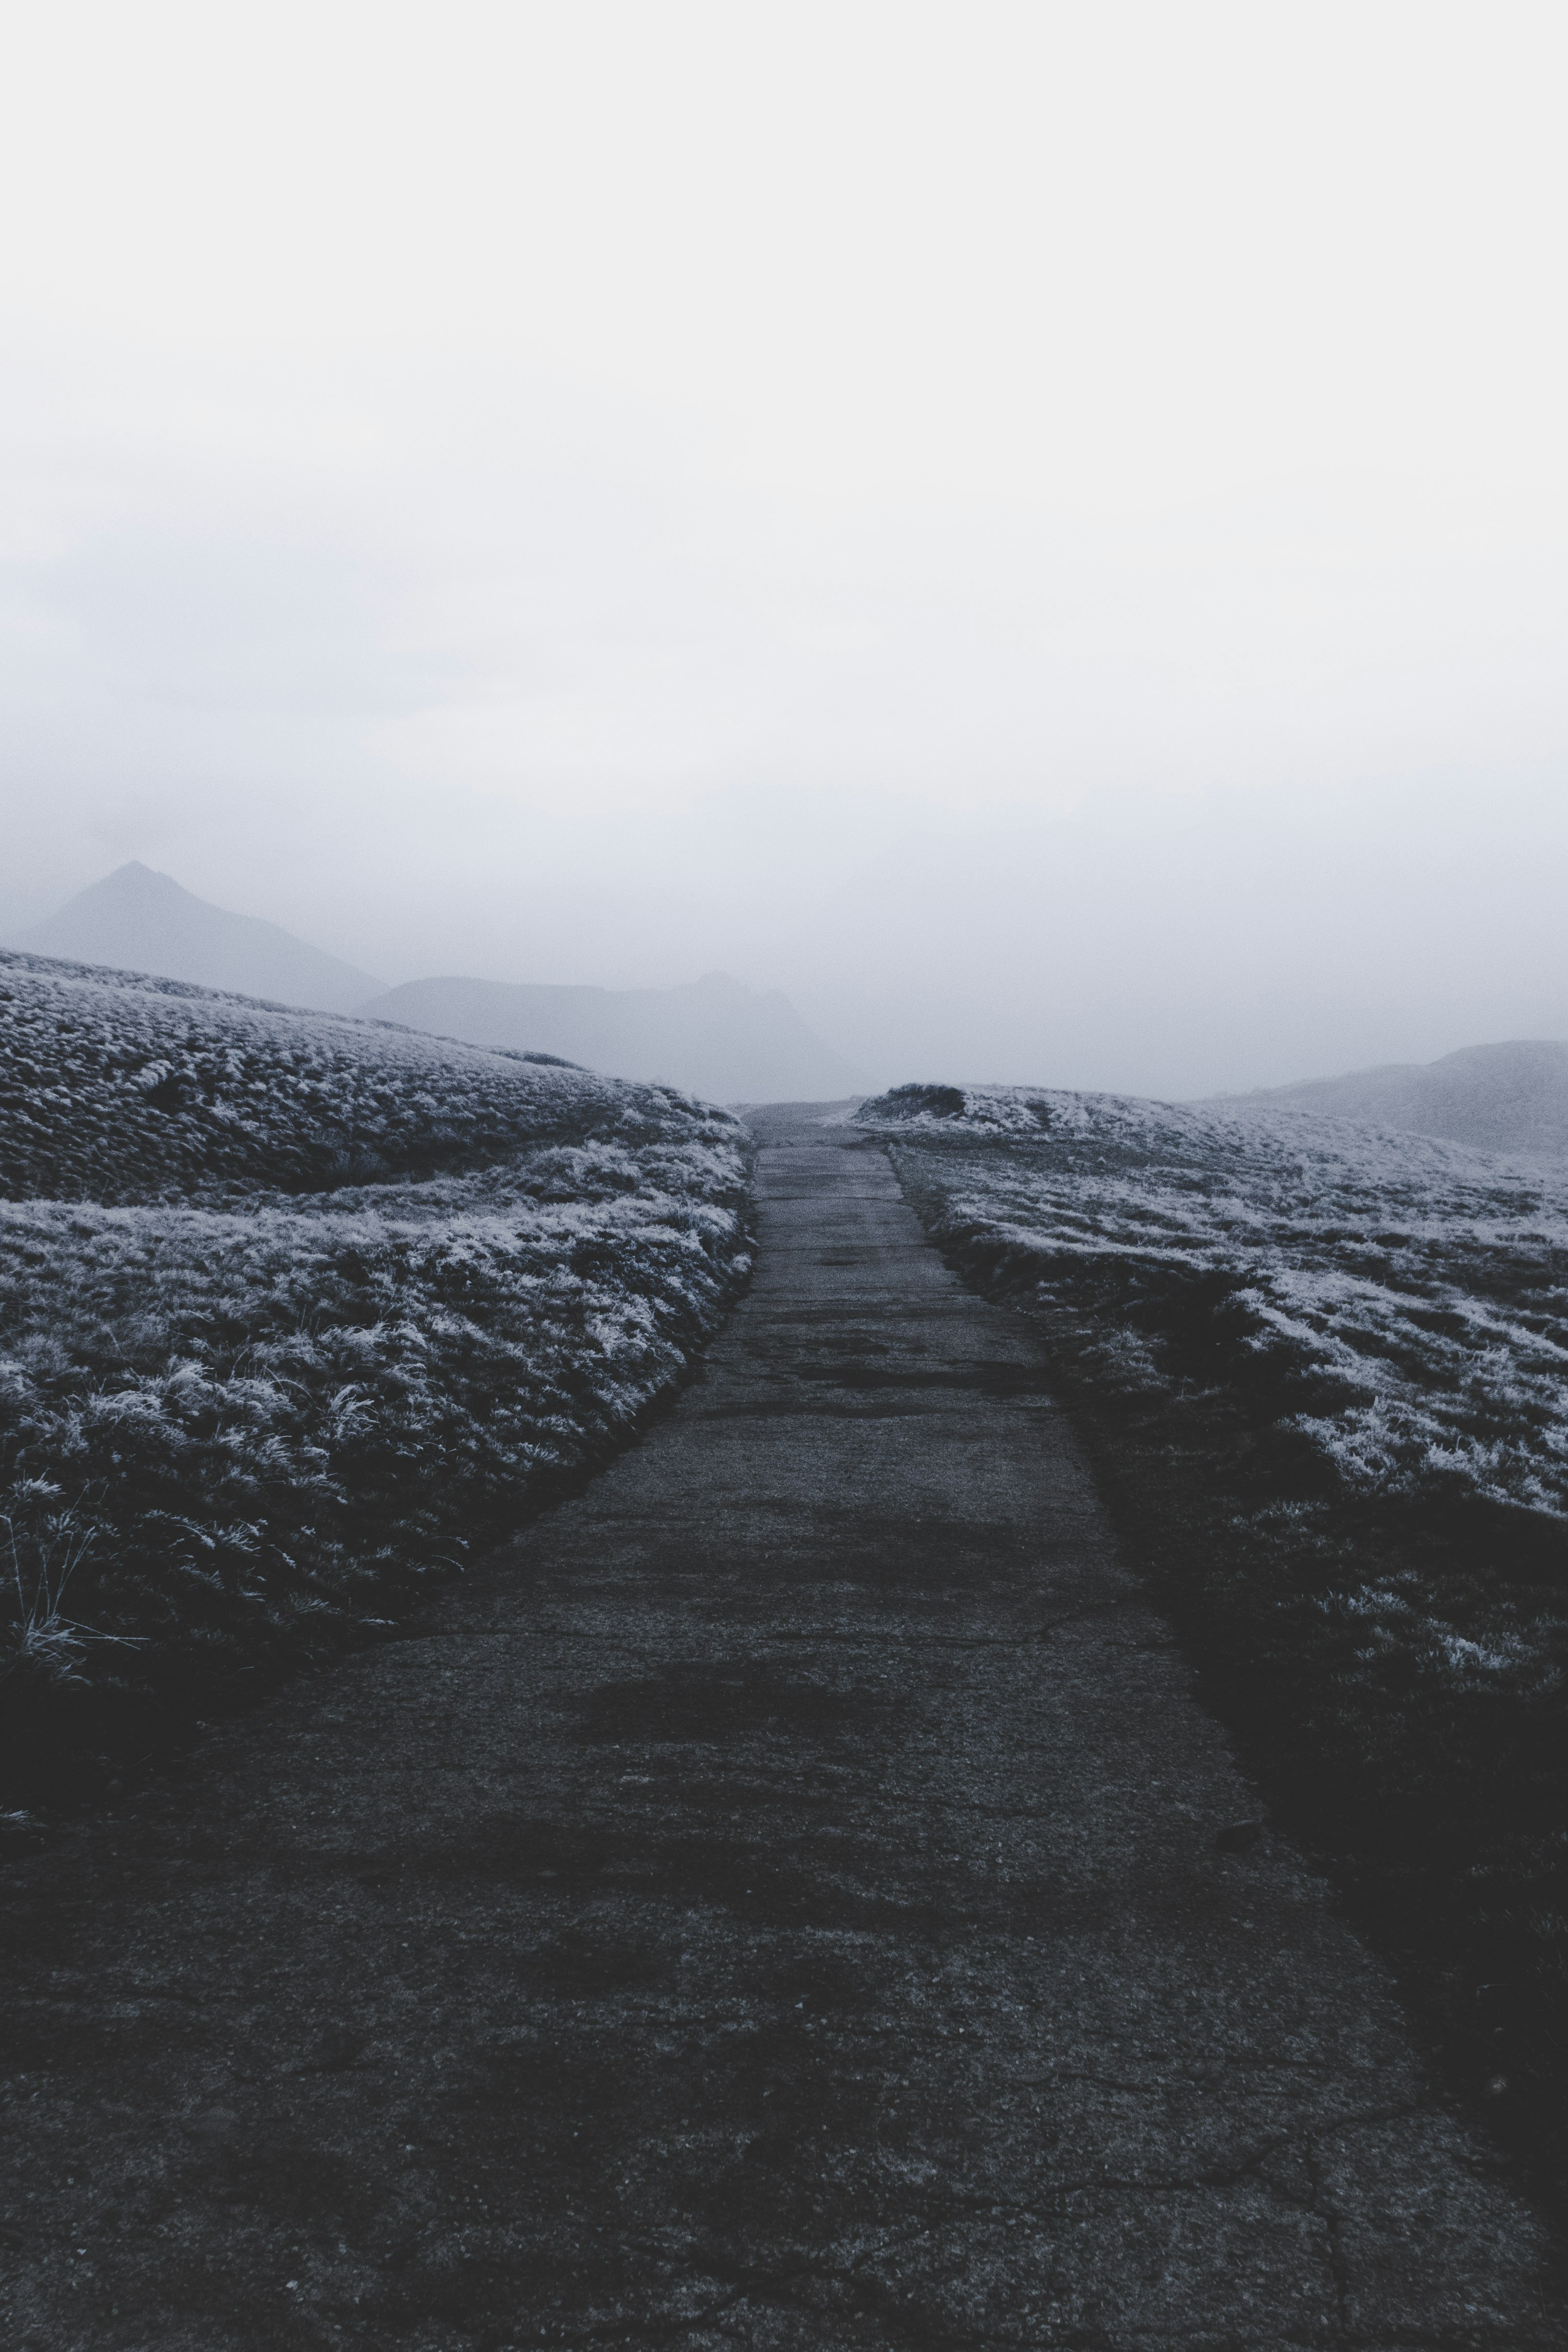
{"x":243,"y":1422}
{"x":115,"y":1087}
{"x":1321,"y":1370}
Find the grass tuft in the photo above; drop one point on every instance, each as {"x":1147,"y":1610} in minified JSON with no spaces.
{"x":38,"y":1639}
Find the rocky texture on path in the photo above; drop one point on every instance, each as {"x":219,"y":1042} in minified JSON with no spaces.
{"x":791,"y":1900}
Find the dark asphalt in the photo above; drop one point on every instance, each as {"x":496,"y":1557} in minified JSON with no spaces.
{"x":777,"y":1905}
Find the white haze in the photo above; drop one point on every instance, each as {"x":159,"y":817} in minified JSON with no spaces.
{"x":1042,"y":531}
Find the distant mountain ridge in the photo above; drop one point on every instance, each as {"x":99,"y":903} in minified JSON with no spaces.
{"x":715,"y":1037}
{"x":1511,"y":1097}
{"x":139,"y":920}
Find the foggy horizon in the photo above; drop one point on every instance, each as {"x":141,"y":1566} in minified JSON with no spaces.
{"x":1043,"y":540}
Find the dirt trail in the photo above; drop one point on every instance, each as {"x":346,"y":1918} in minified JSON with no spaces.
{"x":778,"y":1906}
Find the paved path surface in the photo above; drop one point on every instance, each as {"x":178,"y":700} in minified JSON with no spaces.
{"x":779,"y":1908}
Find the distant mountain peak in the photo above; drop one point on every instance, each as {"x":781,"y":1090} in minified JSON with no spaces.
{"x":138,"y":920}
{"x":133,"y":879}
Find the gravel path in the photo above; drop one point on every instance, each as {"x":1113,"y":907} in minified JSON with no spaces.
{"x":784,"y":1903}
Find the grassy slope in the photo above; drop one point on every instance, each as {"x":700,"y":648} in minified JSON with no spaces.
{"x":251,"y":1401}
{"x":1321,"y":1375}
{"x":117,"y":1087}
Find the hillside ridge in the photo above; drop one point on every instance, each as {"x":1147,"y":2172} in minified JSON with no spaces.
{"x":713,"y":1036}
{"x":1508,"y":1096}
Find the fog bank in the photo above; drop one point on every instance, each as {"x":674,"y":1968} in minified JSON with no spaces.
{"x":1042,"y":535}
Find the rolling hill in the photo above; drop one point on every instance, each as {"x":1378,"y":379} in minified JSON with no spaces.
{"x":713,"y":1037}
{"x":1505,"y":1097}
{"x":138,"y":921}
{"x":297,"y":1314}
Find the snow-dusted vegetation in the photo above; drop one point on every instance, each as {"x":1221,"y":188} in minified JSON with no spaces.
{"x":1323,"y":1371}
{"x":114,"y":1086}
{"x":1403,"y":1302}
{"x":250,"y":1402}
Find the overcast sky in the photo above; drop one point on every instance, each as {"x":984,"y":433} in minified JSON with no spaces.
{"x":1042,"y":530}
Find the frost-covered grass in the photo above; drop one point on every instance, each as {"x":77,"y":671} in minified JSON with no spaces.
{"x":240,"y":1421}
{"x":1405,"y":1302}
{"x":114,"y":1086}
{"x":1324,"y":1370}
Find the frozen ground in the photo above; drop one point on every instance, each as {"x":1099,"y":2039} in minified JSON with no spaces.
{"x":250,"y":1401}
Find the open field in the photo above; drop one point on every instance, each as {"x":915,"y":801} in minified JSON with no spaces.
{"x":1321,"y":1370}
{"x":250,"y":1403}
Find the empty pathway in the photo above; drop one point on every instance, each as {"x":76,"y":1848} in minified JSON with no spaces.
{"x":776,"y":1906}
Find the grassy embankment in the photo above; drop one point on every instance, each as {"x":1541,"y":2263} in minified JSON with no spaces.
{"x":1320,"y":1371}
{"x":296,"y":1313}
